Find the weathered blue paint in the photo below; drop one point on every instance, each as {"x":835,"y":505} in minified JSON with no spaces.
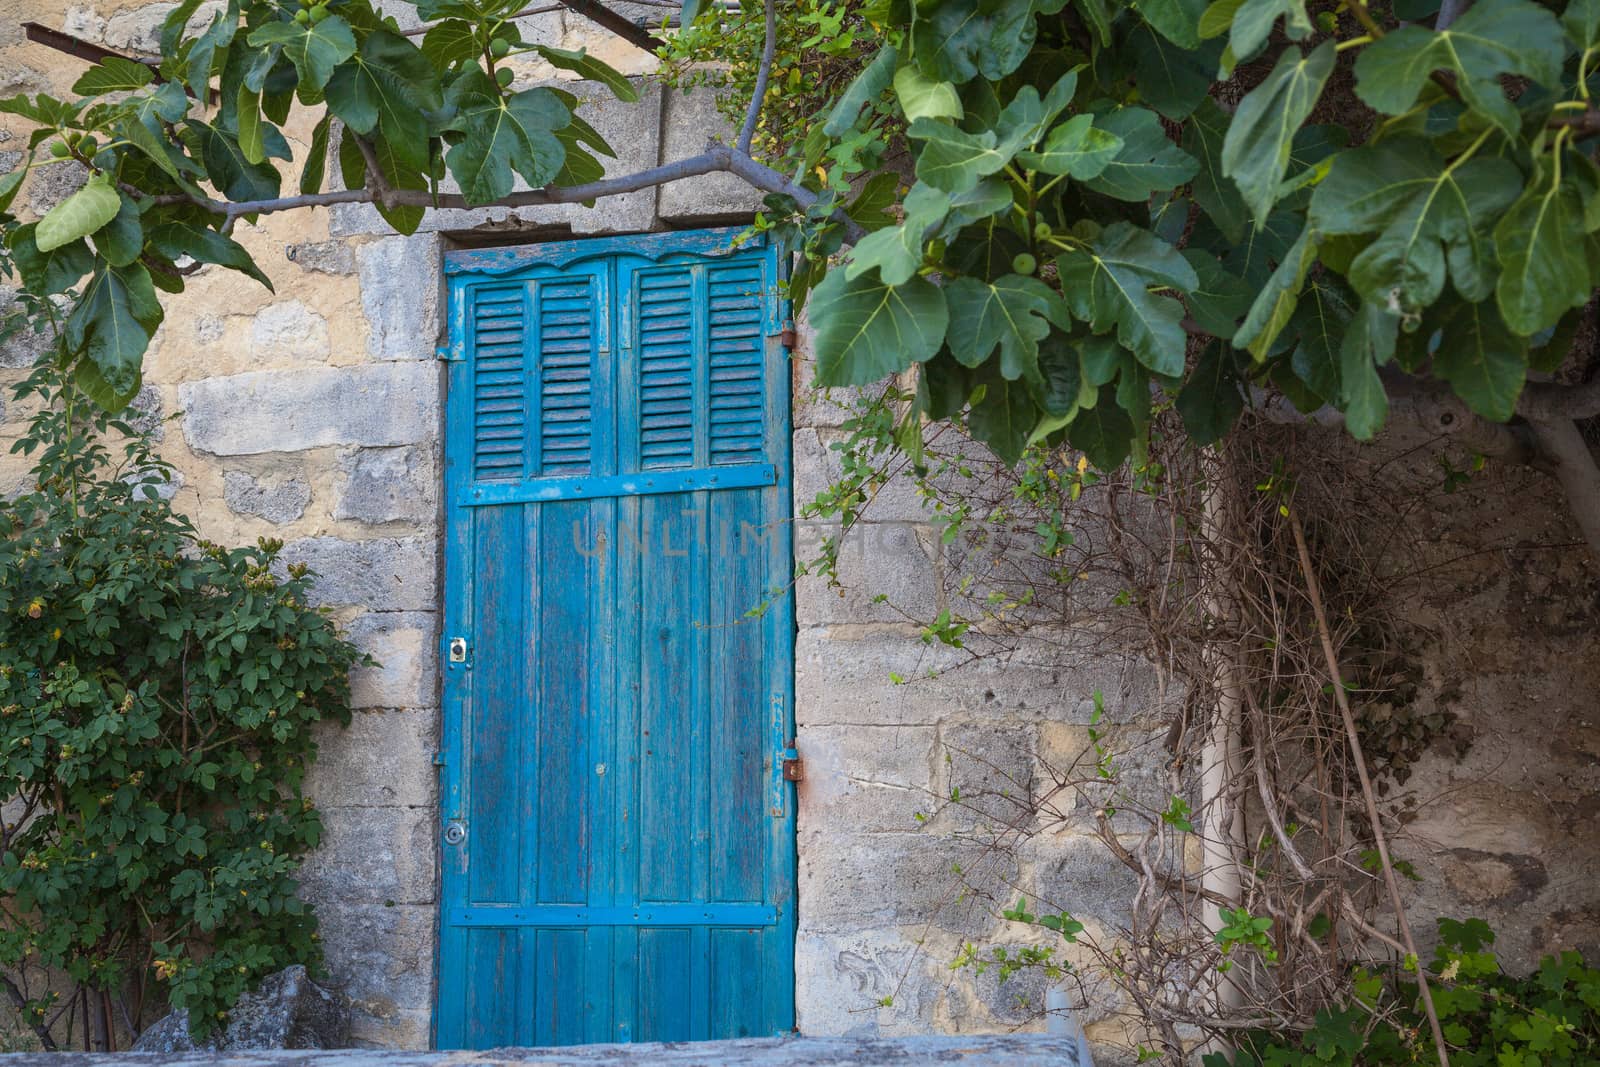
{"x":618,"y":847}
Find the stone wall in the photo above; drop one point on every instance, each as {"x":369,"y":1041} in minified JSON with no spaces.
{"x":312,"y":414}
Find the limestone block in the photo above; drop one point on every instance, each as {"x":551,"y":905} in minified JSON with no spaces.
{"x":885,"y":572}
{"x":1077,"y":874}
{"x":388,"y":485}
{"x":287,"y":411}
{"x":815,"y":406}
{"x":381,"y":957}
{"x":382,"y":574}
{"x":288,"y":331}
{"x":403,"y":643}
{"x":381,"y":758}
{"x":373,"y":856}
{"x":287,"y":1011}
{"x":842,"y":980}
{"x":278,"y":500}
{"x":689,"y":121}
{"x":861,"y":881}
{"x":632,"y":130}
{"x":48,"y":186}
{"x":23,"y":348}
{"x":817,"y":465}
{"x":843,"y":675}
{"x":866,"y":777}
{"x":992,"y":766}
{"x":322,"y":257}
{"x":138,"y":29}
{"x":400,"y":295}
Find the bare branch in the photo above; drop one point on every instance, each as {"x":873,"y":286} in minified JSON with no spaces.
{"x":1551,"y":400}
{"x":759,"y":94}
{"x":1573,"y":465}
{"x":716,"y":158}
{"x":1359,"y":759}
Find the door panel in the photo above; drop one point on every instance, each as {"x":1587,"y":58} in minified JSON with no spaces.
{"x":618,"y":847}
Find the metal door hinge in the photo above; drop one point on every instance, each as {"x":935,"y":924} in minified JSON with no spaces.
{"x":447,"y":354}
{"x":788,"y":338}
{"x":794,"y":768}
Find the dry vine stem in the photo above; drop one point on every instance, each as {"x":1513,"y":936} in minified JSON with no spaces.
{"x":1380,"y":839}
{"x":1185,"y":568}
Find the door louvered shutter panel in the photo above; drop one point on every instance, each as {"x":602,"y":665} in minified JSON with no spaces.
{"x":700,"y":336}
{"x":735,"y":301}
{"x":666,"y":368}
{"x":499,"y":382}
{"x":564,"y":310}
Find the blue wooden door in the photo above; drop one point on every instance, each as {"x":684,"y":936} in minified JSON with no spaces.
{"x":617,"y":835}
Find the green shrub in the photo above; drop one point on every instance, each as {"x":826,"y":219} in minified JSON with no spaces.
{"x":1550,"y":1018}
{"x":158,"y":695}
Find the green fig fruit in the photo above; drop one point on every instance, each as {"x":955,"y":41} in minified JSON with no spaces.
{"x":1024,"y":263}
{"x":503,"y":76}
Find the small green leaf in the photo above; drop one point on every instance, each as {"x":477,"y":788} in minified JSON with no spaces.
{"x":113,"y":75}
{"x":1176,"y":20}
{"x":79,"y":215}
{"x":961,"y":39}
{"x":504,"y":135}
{"x":252,"y":144}
{"x":1213,"y":397}
{"x":896,"y":251}
{"x":1276,"y":302}
{"x":1103,"y":433}
{"x":1427,"y":213}
{"x":1485,"y":363}
{"x":385,"y":85}
{"x":1004,"y":416}
{"x":1108,"y":286}
{"x":1171,"y":79}
{"x":870,"y":209}
{"x":1076,"y":148}
{"x":229,"y":170}
{"x":1203,"y":137}
{"x":1253,"y":20}
{"x":1489,"y":40}
{"x":952,"y":159}
{"x":316,"y":164}
{"x":923,"y":97}
{"x":451,"y":42}
{"x":112,"y":323}
{"x":1368,"y":345}
{"x":1544,"y":269}
{"x":315,"y":48}
{"x":867,"y":329}
{"x":586,"y":66}
{"x":1011,"y":313}
{"x":867,"y":86}
{"x":188,"y":236}
{"x":1147,"y":163}
{"x":45,"y":273}
{"x":1255,"y":152}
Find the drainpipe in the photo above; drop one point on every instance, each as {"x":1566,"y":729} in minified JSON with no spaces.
{"x":1060,"y":1022}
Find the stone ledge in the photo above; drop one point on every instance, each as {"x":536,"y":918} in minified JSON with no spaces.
{"x":1010,"y":1050}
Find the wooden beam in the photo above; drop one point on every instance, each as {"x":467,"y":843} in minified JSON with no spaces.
{"x":72,"y":46}
{"x":629,"y":31}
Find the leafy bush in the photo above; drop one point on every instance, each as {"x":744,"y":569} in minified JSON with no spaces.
{"x":1551,"y":1018}
{"x":157,"y":699}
